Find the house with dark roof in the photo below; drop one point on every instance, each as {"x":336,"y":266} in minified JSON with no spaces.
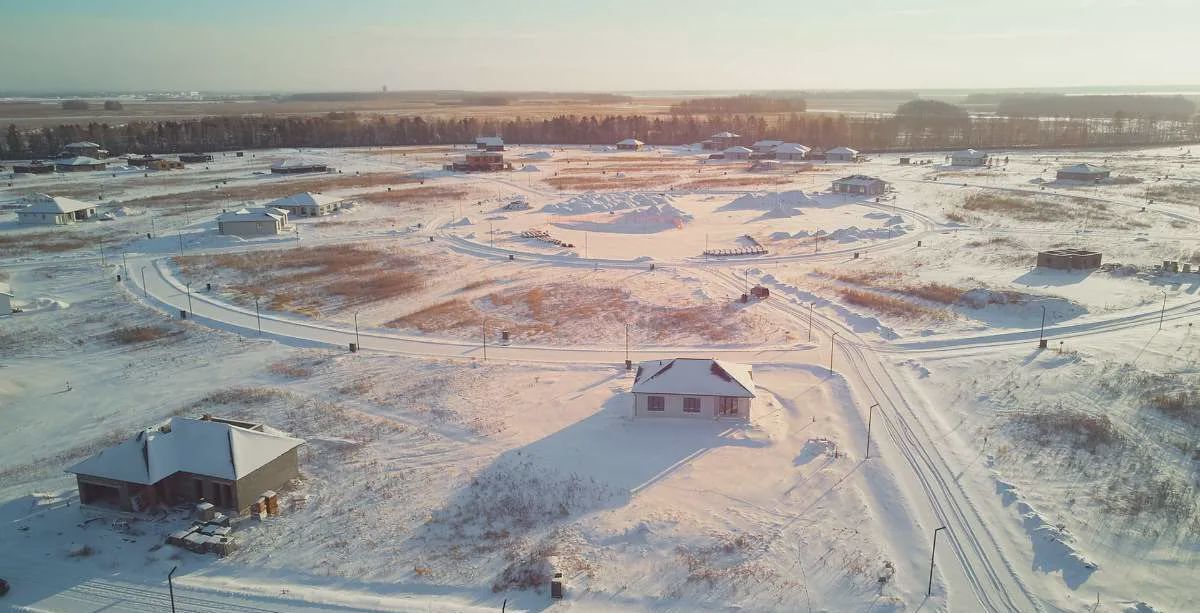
{"x":691,"y":387}
{"x":861,"y":185}
{"x":226,"y":462}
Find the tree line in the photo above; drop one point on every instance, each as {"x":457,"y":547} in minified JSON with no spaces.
{"x":899,"y":132}
{"x":747,"y":103}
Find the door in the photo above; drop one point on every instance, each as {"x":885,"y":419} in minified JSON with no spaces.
{"x":727,"y":406}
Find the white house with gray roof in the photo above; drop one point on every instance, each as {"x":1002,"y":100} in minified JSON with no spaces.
{"x":248,"y":223}
{"x":308,"y":204}
{"x":693,"y":387}
{"x":55,"y":211}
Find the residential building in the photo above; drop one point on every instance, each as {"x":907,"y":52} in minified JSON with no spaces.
{"x":308,"y":204}
{"x":692,"y":387}
{"x":248,"y":223}
{"x":860,"y":185}
{"x":55,"y":210}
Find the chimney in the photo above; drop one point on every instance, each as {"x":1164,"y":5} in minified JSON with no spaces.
{"x":206,"y":417}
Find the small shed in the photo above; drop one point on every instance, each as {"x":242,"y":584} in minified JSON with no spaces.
{"x":737,"y":153}
{"x":308,"y":204}
{"x":1083,"y":172}
{"x":55,"y":211}
{"x":489,"y":143}
{"x":841,"y":154}
{"x":195,"y":158}
{"x":693,"y":387}
{"x":480,"y":161}
{"x":79,"y":164}
{"x":630,"y":144}
{"x":860,"y":185}
{"x":288,"y":167}
{"x":1069,"y":259}
{"x":968,"y":157}
{"x":248,"y":223}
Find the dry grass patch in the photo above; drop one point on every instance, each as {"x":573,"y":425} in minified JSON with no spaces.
{"x":311,"y":280}
{"x":889,"y":305}
{"x":138,"y":334}
{"x":603,"y":182}
{"x":412,"y":194}
{"x":735,"y":182}
{"x":1183,"y":194}
{"x":42,"y":242}
{"x":448,"y":315}
{"x":270,"y":189}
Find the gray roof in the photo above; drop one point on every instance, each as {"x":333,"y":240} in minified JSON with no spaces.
{"x":294,"y":163}
{"x":54,"y":205}
{"x":843,"y":150}
{"x":700,"y":377}
{"x":85,"y":144}
{"x":631,"y":141}
{"x":79,"y":160}
{"x":304,"y":199}
{"x":1084,"y":168}
{"x":257,"y":214}
{"x":973,"y":154}
{"x":724,"y":135}
{"x":859,"y":180}
{"x":489,"y":140}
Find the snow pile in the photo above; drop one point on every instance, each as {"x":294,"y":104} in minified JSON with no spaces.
{"x":465,"y":221}
{"x":538,"y":155}
{"x":781,"y":210}
{"x":854,"y":233}
{"x":647,"y":220}
{"x":778,"y":236}
{"x":1053,"y":545}
{"x":598,"y":203}
{"x":858,"y":322}
{"x":530,"y":168}
{"x":772,"y":201}
{"x":520,"y":204}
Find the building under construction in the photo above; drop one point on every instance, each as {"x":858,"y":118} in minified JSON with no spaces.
{"x":480,"y":161}
{"x":1069,"y":259}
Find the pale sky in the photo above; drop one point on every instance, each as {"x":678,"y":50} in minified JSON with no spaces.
{"x":594,"y":45}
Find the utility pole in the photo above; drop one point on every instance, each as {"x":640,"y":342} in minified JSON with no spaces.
{"x":171,"y":586}
{"x":810,"y":308}
{"x":484,"y":333}
{"x":585,"y":241}
{"x":153,"y":230}
{"x":189,"y":293}
{"x":1163,"y":315}
{"x":627,"y":343}
{"x":125,"y":262}
{"x":1042,"y":332}
{"x":257,"y":315}
{"x":101,"y":255}
{"x":145,"y":292}
{"x":929,"y":590}
{"x":181,"y":244}
{"x":357,"y":340}
{"x":831,"y":346}
{"x":492,"y":234}
{"x":870,"y":418}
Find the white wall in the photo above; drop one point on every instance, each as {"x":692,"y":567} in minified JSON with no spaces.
{"x":249,"y":228}
{"x":674,"y":407}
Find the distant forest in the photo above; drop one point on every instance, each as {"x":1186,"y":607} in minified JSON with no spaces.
{"x":739,"y":104}
{"x":1058,"y":105}
{"x":914,"y":127}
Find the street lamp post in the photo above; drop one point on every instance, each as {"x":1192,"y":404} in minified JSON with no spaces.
{"x":1042,"y":332}
{"x":125,"y":262}
{"x":357,"y":340}
{"x":258,"y":315}
{"x":189,"y":293}
{"x":929,"y":589}
{"x":627,"y":343}
{"x":171,"y":586}
{"x":181,"y":244}
{"x":831,"y":346}
{"x":810,"y":308}
{"x":1163,"y":314}
{"x":870,"y":418}
{"x":145,"y":292}
{"x":483,"y":330}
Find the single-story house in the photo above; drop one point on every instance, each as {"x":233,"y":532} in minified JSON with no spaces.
{"x":134,"y":159}
{"x":288,"y":167}
{"x":55,"y":210}
{"x":308,"y":204}
{"x":765,"y":146}
{"x":480,"y":161}
{"x":737,"y":153}
{"x":1083,"y":172}
{"x":6,"y":298}
{"x":247,"y":223}
{"x":79,"y":164}
{"x":721,"y":140}
{"x":968,"y":157}
{"x":693,"y":387}
{"x":861,"y":185}
{"x":225,"y":462}
{"x":489,"y":143}
{"x":36,"y":167}
{"x":791,"y":152}
{"x":83,"y":149}
{"x":841,"y":154}
{"x":154,"y":163}
{"x":630,"y":144}
{"x":195,"y":158}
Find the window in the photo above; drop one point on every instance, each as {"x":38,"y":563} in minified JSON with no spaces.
{"x":691,"y":405}
{"x":656,"y":403}
{"x":728,"y":406}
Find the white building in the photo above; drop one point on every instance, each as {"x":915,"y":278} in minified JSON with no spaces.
{"x":737,"y":153}
{"x":791,"y":152}
{"x":765,"y":146}
{"x":79,"y":164}
{"x":630,"y":144}
{"x":968,"y":157}
{"x":690,"y":387}
{"x":6,"y":299}
{"x":55,"y":210}
{"x":248,"y":223}
{"x":841,"y":154}
{"x":308,"y":204}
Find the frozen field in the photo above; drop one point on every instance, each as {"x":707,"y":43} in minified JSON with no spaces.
{"x":450,"y":469}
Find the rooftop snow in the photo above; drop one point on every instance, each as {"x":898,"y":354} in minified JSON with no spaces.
{"x":81,"y":145}
{"x":55,"y":204}
{"x":739,"y":150}
{"x":631,"y":141}
{"x":1084,"y":168}
{"x":258,"y":214}
{"x":699,"y":377}
{"x":81,"y":160}
{"x":210,"y":448}
{"x":304,"y":199}
{"x":293,"y":163}
{"x":969,"y":153}
{"x":725,"y":135}
{"x":845,"y":150}
{"x":489,"y":140}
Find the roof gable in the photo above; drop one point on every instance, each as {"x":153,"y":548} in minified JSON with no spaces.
{"x":691,"y":376}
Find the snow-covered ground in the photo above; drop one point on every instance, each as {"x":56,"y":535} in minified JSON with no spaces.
{"x":436,"y":479}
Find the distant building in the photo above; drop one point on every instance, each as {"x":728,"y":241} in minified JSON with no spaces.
{"x":765,"y":146}
{"x":1069,"y":259}
{"x":55,"y":211}
{"x":720,"y":141}
{"x":84,"y":149}
{"x":79,"y":164}
{"x":480,"y":161}
{"x":248,"y":223}
{"x":195,"y":158}
{"x":630,"y":144}
{"x":1083,"y":172}
{"x":36,"y":167}
{"x":308,"y":204}
{"x":737,"y":153}
{"x":689,"y":387}
{"x":153,"y":163}
{"x":489,"y":143}
{"x":225,"y":462}
{"x":6,"y":298}
{"x":860,"y":185}
{"x":290,"y":167}
{"x":841,"y":154}
{"x":791,"y":152}
{"x":968,"y":157}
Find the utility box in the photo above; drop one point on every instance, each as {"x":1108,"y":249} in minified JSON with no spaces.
{"x":556,"y":587}
{"x":182,"y":314}
{"x":353,"y":347}
{"x":760,"y":292}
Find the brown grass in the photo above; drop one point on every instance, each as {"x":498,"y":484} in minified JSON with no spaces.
{"x":889,"y":305}
{"x":1185,"y":194}
{"x":604,"y":182}
{"x":291,"y":369}
{"x":447,"y":315}
{"x":735,"y":182}
{"x":309,"y":280}
{"x":412,"y":194}
{"x":1024,"y":209}
{"x":1183,"y":405}
{"x":138,"y":334}
{"x":15,"y":244}
{"x":270,"y":189}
